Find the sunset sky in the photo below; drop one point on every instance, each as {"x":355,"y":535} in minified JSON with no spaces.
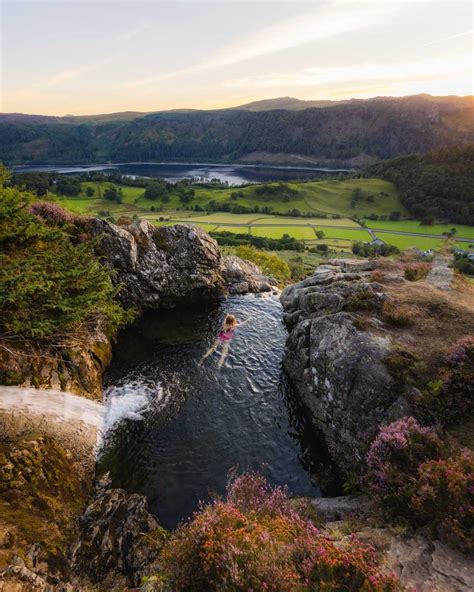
{"x":99,"y":57}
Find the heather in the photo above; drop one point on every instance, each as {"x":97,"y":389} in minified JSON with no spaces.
{"x":415,"y":480}
{"x":444,"y":499}
{"x":393,"y":460}
{"x":450,"y":396}
{"x":256,"y":540}
{"x":51,"y":283}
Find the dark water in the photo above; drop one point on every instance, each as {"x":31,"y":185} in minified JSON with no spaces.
{"x":185,"y":426}
{"x":232,"y":174}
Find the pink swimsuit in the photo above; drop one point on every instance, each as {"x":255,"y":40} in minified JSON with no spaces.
{"x":226,"y":335}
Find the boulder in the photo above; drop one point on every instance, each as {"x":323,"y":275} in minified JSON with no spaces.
{"x":170,"y":265}
{"x":338,"y":370}
{"x":242,"y":276}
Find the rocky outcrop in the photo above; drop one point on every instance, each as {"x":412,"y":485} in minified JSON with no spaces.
{"x":47,"y":460}
{"x":120,"y":539}
{"x":241,"y":276}
{"x":156,"y":268}
{"x":421,"y":564}
{"x":168,"y":265}
{"x":76,"y":365}
{"x":339,"y":370}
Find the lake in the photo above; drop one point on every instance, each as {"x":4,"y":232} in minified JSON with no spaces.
{"x":235,"y":174}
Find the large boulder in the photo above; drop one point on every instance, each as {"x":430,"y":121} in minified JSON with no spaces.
{"x":340,"y":371}
{"x":161,"y":266}
{"x":170,"y":265}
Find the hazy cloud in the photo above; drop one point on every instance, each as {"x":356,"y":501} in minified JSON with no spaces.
{"x":320,"y":23}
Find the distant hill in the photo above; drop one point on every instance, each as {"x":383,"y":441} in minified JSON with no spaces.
{"x":438,"y":185}
{"x":288,"y":103}
{"x":356,"y":130}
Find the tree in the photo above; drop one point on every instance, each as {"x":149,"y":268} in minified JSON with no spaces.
{"x":90,"y":192}
{"x":395,"y":216}
{"x":320,"y":234}
{"x":113,"y":194}
{"x":50,"y":285}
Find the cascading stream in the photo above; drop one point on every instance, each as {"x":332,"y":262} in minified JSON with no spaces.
{"x":177,"y":428}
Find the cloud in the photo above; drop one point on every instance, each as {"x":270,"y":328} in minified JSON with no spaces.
{"x":442,"y":39}
{"x":320,"y":23}
{"x":73,"y":73}
{"x":127,"y":36}
{"x":433,"y":69}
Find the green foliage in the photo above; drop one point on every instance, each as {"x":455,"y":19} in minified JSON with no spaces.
{"x":51,"y":283}
{"x":285,"y":243}
{"x":450,"y":397}
{"x":376,"y":250}
{"x":381,"y":129}
{"x":269,"y":263}
{"x":437,"y":185}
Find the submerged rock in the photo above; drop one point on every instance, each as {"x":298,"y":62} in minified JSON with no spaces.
{"x":339,"y":371}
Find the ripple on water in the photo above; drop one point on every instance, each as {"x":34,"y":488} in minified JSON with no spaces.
{"x":178,"y":428}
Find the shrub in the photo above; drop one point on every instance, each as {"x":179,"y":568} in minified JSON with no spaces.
{"x":51,"y":213}
{"x":268,"y":262}
{"x":400,"y":315}
{"x":393,"y":460}
{"x":444,"y":498}
{"x":451,"y":395}
{"x":49,"y":286}
{"x":256,"y":541}
{"x":417,"y":271}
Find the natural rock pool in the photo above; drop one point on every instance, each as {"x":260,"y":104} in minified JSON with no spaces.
{"x":177,"y":428}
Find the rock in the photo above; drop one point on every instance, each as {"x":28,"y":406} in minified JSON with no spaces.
{"x":169,"y":265}
{"x":161,"y":266}
{"x":112,"y":527}
{"x":421,"y":564}
{"x":242,"y":276}
{"x":332,"y":509}
{"x":338,"y":370}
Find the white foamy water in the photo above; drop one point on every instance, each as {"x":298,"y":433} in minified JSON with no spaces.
{"x":131,"y":401}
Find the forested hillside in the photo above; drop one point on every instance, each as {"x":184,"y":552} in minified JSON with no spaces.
{"x":434,"y":186}
{"x":376,"y":128}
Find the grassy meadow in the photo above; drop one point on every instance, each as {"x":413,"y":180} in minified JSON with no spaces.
{"x":325,"y":205}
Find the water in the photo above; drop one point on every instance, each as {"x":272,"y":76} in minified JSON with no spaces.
{"x":232,"y":174}
{"x":177,"y":428}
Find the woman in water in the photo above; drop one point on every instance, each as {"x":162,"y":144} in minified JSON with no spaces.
{"x":224,"y":338}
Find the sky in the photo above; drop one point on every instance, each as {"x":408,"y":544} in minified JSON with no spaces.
{"x":88,"y":57}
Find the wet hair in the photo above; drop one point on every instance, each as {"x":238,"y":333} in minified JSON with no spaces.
{"x":230,"y":321}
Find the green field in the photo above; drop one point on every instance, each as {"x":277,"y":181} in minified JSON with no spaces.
{"x":328,"y":197}
{"x":407,"y":242}
{"x":415,"y":226}
{"x":298,"y":232}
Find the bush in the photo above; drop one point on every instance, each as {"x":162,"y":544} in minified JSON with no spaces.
{"x":49,"y":286}
{"x":269,"y":263}
{"x":393,"y":460}
{"x":256,"y":541}
{"x":444,"y":499}
{"x":451,"y":395}
{"x":52,"y":213}
{"x":400,"y":315}
{"x":416,"y":271}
